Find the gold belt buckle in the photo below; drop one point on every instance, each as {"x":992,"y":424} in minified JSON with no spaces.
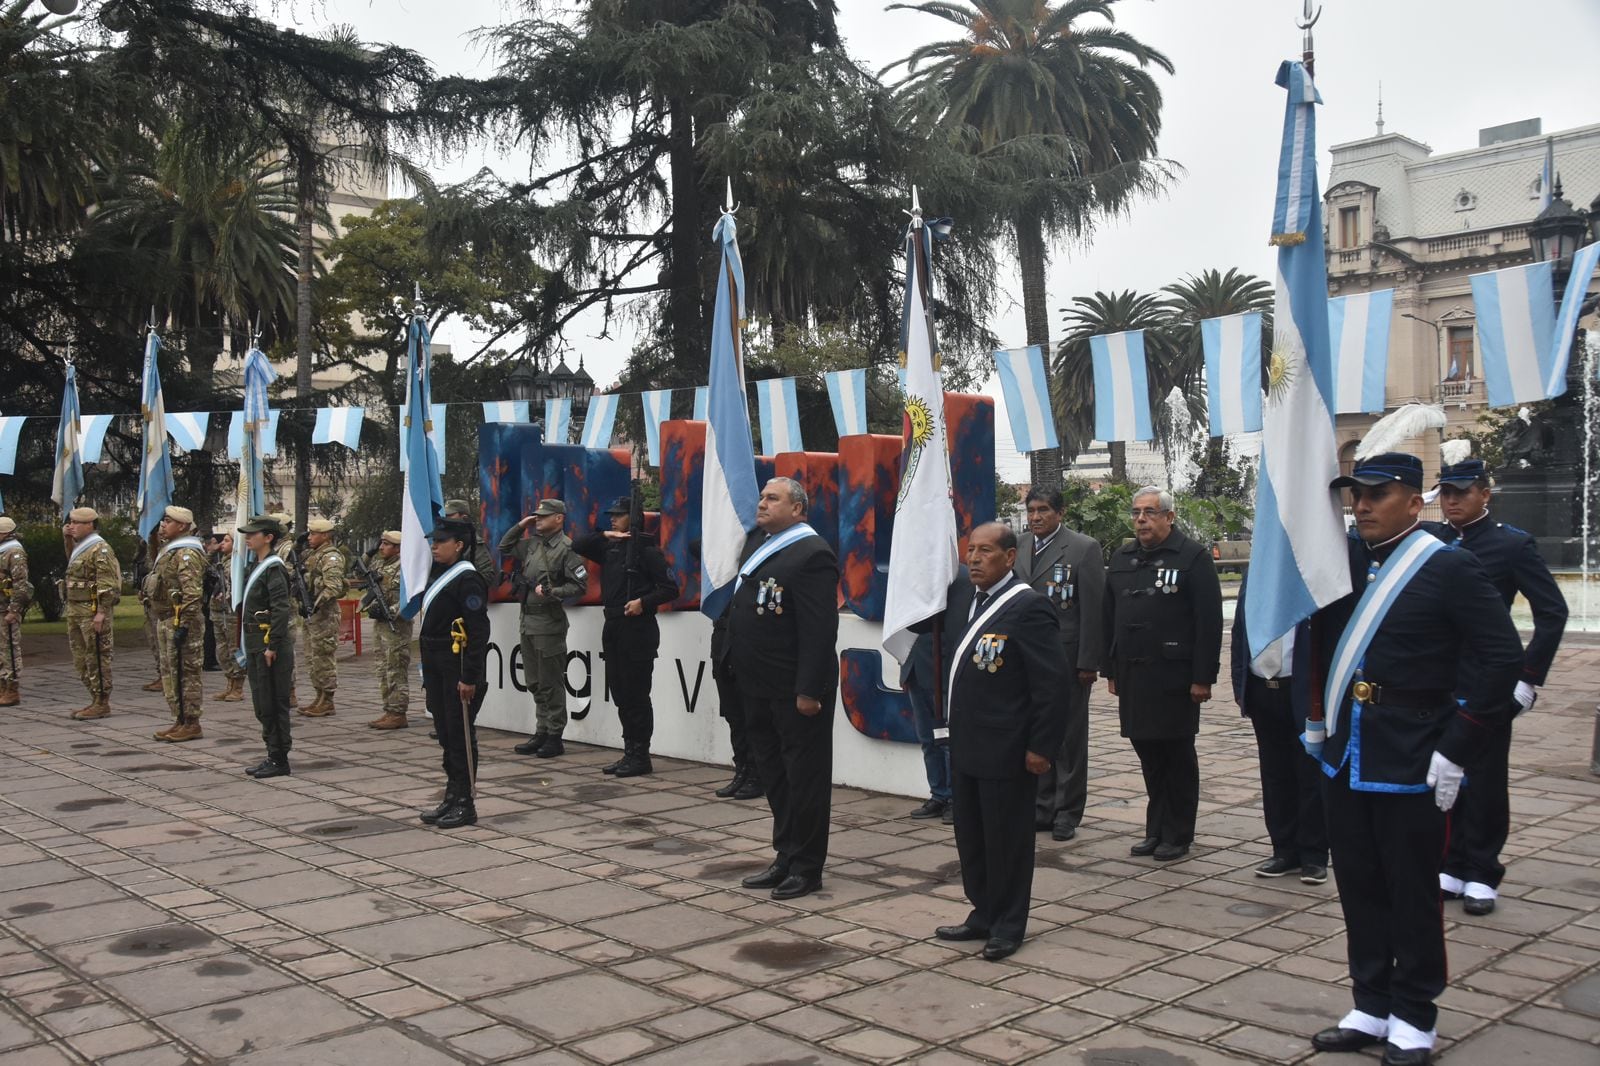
{"x":1362,"y":690}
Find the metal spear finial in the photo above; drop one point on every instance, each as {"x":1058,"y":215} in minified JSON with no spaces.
{"x":1309,"y":20}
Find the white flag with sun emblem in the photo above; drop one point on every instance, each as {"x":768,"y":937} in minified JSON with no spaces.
{"x":922,"y":555}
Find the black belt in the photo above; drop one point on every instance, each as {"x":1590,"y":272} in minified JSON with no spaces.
{"x":1406,"y":698}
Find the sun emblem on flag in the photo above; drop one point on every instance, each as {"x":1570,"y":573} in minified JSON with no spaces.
{"x":1280,"y":371}
{"x":918,"y":432}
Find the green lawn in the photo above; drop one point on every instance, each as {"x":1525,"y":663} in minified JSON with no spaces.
{"x":126,"y":617}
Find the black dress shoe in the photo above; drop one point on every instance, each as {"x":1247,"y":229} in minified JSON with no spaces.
{"x":1417,"y":1056}
{"x":931,"y":808}
{"x":727,"y":791}
{"x":1145,"y":846}
{"x":1477,"y":907}
{"x":532,"y":745}
{"x":794,"y":886}
{"x":998,"y":948}
{"x":1063,"y":832}
{"x":949,"y":815}
{"x":264,"y":764}
{"x":1337,"y":1039}
{"x":1277,"y":866}
{"x":272,"y":768}
{"x":1169,"y":852}
{"x":752,"y":789}
{"x":961,"y":932}
{"x":771,"y":877}
{"x":461,"y":813}
{"x":551,"y":747}
{"x":1313,"y":874}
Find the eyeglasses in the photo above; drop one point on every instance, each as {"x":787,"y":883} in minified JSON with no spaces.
{"x":1145,"y":512}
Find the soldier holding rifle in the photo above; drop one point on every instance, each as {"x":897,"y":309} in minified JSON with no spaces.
{"x":381,"y":580}
{"x":93,"y":585}
{"x":16,"y":592}
{"x":176,"y":592}
{"x":224,"y":619}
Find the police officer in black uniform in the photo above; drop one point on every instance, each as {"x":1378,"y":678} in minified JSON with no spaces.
{"x":1163,"y":610}
{"x":634,"y":582}
{"x":453,"y":637}
{"x":1396,"y":744}
{"x":1481,"y":819}
{"x":265,"y":612}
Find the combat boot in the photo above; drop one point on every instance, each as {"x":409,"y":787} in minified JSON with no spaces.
{"x":460,"y":813}
{"x":321,"y":707}
{"x":154,"y":686}
{"x":636,"y":763}
{"x":739,"y":775}
{"x":166,"y":734}
{"x":530,"y":746}
{"x":100,"y":708}
{"x":234,"y":692}
{"x":9,"y":697}
{"x":294,"y":699}
{"x":389,"y":720}
{"x":188,"y":729}
{"x":614,"y":767}
{"x":551,"y":748}
{"x":429,"y":817}
{"x":276,"y":765}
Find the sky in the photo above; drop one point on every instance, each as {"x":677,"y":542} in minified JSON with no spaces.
{"x":1446,"y":70}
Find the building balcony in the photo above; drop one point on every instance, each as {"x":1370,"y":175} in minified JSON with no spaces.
{"x":1470,"y":392}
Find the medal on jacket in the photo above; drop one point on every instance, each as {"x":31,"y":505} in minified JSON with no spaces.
{"x":777,"y":598}
{"x":1171,"y":584}
{"x":986,"y":655}
{"x":761,"y":595}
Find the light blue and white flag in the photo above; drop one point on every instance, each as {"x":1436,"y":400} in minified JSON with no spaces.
{"x":1583,"y":267}
{"x":847,"y":395}
{"x":422,"y":496}
{"x":557,"y":420}
{"x":67,"y":485}
{"x":729,"y":492}
{"x":269,"y":434}
{"x":657,"y":409}
{"x":1121,"y":387}
{"x":1027,"y":393}
{"x":780,"y":416}
{"x":1358,"y":336}
{"x":702,"y":402}
{"x":505,"y":411}
{"x":92,"y":437}
{"x":1516,"y":327}
{"x":1232,"y":344}
{"x":1547,"y":174}
{"x":339,"y":425}
{"x":188,"y":429}
{"x":600,"y":421}
{"x":10,"y":432}
{"x":155,"y":464}
{"x":435,"y":435}
{"x":1298,"y":559}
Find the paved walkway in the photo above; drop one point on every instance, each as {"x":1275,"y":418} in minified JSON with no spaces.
{"x":156,"y":907}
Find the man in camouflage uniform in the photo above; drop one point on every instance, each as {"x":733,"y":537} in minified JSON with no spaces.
{"x":482,"y":561}
{"x":16,"y":592}
{"x":225,"y":620}
{"x":93,"y":587}
{"x":142,"y":569}
{"x":549,"y":572}
{"x":394,"y":646}
{"x":176,"y":589}
{"x":324,"y":576}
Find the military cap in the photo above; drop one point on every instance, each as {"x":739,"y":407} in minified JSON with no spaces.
{"x":550,"y":506}
{"x":83,"y":514}
{"x":320,"y":525}
{"x":263,"y":523}
{"x":7,"y":525}
{"x":452,"y":529}
{"x":1464,"y":473}
{"x":621,"y":505}
{"x":179,"y":514}
{"x":461,"y":507}
{"x":1383,"y":469}
{"x":283,"y":518}
{"x":391,"y":536}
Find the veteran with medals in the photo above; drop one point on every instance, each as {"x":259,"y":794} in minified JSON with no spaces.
{"x":1393,"y":742}
{"x":1003,"y":677}
{"x":453,"y":635}
{"x":782,"y":624}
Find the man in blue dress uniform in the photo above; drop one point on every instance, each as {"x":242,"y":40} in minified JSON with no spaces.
{"x":1396,"y":744}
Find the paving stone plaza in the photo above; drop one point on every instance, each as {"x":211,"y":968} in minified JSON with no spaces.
{"x":158,"y":907}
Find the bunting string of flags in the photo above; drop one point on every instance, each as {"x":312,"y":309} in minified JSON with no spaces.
{"x":338,"y":425}
{"x":1232,"y":346}
{"x":780,"y":416}
{"x":558,"y":419}
{"x":600,"y":421}
{"x":505,"y":411}
{"x":188,"y":429}
{"x":269,"y":434}
{"x":1358,"y":334}
{"x":1121,"y":387}
{"x":1027,"y":393}
{"x":657,"y":409}
{"x":847,"y":395}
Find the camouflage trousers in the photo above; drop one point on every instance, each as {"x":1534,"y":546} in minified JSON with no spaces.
{"x":394,"y":665}
{"x":10,"y":651}
{"x":187,"y":660}
{"x":93,"y":670}
{"x":225,"y":625}
{"x":319,"y":642}
{"x":150,"y":633}
{"x":544,"y":664}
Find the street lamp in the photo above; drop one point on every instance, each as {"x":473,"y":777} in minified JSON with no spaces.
{"x":582,"y":391}
{"x":1556,"y":234}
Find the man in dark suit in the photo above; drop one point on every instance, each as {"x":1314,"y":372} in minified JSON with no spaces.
{"x":1273,"y":690}
{"x":782,"y":627}
{"x":1068,"y":569}
{"x":1164,"y":623}
{"x":1003,"y":675}
{"x":919,"y":678}
{"x":1397,"y":742}
{"x":1481,"y":819}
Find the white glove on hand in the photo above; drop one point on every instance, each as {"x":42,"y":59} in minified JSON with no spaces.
{"x":1313,"y":738}
{"x":1444,"y":777}
{"x":1525,"y":695}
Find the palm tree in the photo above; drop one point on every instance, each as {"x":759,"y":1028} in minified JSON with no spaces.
{"x":1026,"y":72}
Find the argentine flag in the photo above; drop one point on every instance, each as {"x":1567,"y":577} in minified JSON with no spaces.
{"x":10,"y":433}
{"x":729,"y":491}
{"x":269,"y":432}
{"x":188,"y":429}
{"x":1526,"y":341}
{"x":94,"y":435}
{"x":600,"y":421}
{"x":68,"y":483}
{"x":250,"y":427}
{"x":155,"y":464}
{"x":1121,"y":387}
{"x":847,"y":395}
{"x":338,"y":425}
{"x":1027,"y":393}
{"x":505,"y":411}
{"x":702,"y":402}
{"x":423,"y":496}
{"x":780,"y":416}
{"x":1232,"y":345}
{"x":657,"y":409}
{"x":1358,"y":336}
{"x":557,"y":419}
{"x":1298,"y":559}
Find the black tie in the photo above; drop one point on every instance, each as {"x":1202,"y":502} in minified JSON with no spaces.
{"x":983,"y":598}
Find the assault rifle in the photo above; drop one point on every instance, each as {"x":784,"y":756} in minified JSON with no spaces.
{"x":374,"y":601}
{"x":297,"y":577}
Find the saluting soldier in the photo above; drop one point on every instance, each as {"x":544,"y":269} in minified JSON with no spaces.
{"x":1163,"y":616}
{"x":454,"y":643}
{"x":176,"y":589}
{"x":634,"y":583}
{"x":549,"y":571}
{"x":394,"y":645}
{"x":225,"y":620}
{"x":16,"y":592}
{"x":1396,"y":742}
{"x":94,"y":585}
{"x":461,"y":511}
{"x":1481,"y":819}
{"x":266,"y":607}
{"x":1068,"y":569}
{"x":324,"y":576}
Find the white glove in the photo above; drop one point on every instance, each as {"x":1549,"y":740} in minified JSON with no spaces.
{"x":1313,"y":738}
{"x":1525,"y":695}
{"x":1444,"y":777}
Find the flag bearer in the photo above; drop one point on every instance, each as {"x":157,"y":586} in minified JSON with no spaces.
{"x":453,"y":635}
